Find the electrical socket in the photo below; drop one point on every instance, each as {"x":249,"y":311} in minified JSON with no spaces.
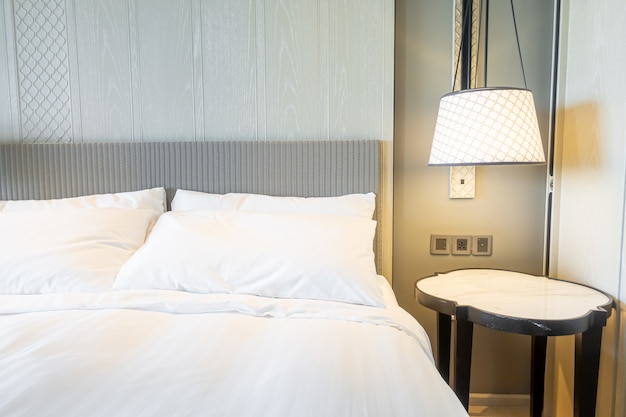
{"x":461,"y":245}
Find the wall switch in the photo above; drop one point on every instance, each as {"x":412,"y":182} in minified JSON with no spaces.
{"x":462,"y":184}
{"x":461,"y":245}
{"x":439,"y":245}
{"x":481,"y":245}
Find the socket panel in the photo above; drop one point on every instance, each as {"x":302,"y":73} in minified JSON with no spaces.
{"x":461,"y":245}
{"x":478,"y":245}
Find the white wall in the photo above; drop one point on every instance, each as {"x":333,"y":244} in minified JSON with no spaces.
{"x":590,"y":181}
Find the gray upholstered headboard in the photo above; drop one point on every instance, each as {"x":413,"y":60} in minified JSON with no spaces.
{"x":302,"y":168}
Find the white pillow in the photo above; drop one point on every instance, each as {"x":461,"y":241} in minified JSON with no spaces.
{"x":284,"y":256}
{"x":185,"y":200}
{"x":74,"y":250}
{"x":356,"y":205}
{"x":152,"y":199}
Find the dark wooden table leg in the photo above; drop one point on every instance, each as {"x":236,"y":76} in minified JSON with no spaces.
{"x":444,"y":324}
{"x":463,"y":359}
{"x":537,"y":375}
{"x":586,"y":372}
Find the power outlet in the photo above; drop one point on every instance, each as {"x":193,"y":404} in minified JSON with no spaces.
{"x":461,"y":245}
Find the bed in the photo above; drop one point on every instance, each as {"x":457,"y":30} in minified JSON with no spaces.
{"x":214,"y":278}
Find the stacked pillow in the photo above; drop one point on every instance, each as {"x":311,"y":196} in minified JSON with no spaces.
{"x":74,"y":244}
{"x":284,"y":247}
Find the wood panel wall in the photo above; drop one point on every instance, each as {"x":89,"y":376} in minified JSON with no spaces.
{"x":193,"y":70}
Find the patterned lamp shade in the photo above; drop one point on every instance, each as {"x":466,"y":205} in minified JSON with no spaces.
{"x":484,"y":126}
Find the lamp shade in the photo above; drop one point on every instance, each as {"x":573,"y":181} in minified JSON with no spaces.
{"x":485,"y":126}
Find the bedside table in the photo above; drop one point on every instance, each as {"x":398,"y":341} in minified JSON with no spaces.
{"x":518,"y":303}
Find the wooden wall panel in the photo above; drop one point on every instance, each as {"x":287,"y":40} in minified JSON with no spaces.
{"x":229,"y":62}
{"x":104,"y":86}
{"x":6,"y":116}
{"x":356,"y":68}
{"x":152,"y":70}
{"x":388,"y":57}
{"x":291,"y":57}
{"x":165,"y":69}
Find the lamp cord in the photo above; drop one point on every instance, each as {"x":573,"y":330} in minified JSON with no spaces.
{"x":519,"y":49}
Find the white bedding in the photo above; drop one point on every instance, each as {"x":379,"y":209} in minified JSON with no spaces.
{"x":170,"y":353}
{"x":268,"y":308}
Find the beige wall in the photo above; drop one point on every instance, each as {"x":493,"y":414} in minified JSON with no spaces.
{"x":590,"y":181}
{"x":509,"y":202}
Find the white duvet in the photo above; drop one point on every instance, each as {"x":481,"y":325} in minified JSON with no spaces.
{"x":170,"y":353}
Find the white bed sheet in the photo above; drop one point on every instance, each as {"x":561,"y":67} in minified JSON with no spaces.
{"x":170,"y":353}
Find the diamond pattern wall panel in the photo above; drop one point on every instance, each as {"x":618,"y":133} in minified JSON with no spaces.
{"x":43,"y":70}
{"x":458,"y":35}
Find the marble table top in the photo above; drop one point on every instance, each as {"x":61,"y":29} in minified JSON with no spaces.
{"x":515,"y":294}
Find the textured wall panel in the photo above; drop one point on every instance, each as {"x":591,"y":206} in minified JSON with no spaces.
{"x":229,"y":62}
{"x":292,"y":62}
{"x":310,"y":168}
{"x":103,"y":50}
{"x":193,"y":70}
{"x":165,"y":69}
{"x":356,"y":66}
{"x":43,"y":69}
{"x":8,"y":111}
{"x":458,"y":35}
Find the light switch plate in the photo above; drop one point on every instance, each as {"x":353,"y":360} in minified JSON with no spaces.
{"x":482,"y":245}
{"x":462,"y":181}
{"x":439,"y":245}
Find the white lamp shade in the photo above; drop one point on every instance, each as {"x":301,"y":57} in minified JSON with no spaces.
{"x":487,"y":126}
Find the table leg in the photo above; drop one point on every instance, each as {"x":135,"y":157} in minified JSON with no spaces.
{"x":586,"y":371}
{"x":463,"y":360}
{"x":444,"y":324}
{"x":537,"y":375}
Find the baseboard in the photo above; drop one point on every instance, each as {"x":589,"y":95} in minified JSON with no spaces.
{"x":499,"y":400}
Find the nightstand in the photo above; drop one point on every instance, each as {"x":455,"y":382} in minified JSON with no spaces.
{"x":518,"y":303}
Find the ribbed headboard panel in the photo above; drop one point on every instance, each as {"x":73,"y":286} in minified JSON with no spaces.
{"x":315,"y":168}
{"x":302,"y":168}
